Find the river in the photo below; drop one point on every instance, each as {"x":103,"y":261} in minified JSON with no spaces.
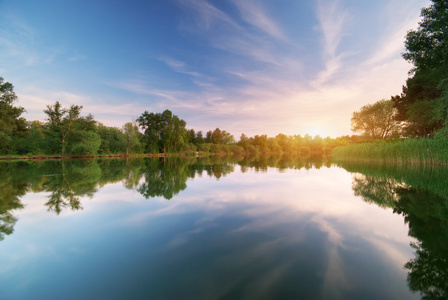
{"x":220,"y":228}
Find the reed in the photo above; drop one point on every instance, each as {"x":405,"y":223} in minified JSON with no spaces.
{"x":430,"y":151}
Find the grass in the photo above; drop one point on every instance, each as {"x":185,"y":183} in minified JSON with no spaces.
{"x":407,"y":151}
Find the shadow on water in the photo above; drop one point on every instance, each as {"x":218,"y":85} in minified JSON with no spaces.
{"x":420,"y":195}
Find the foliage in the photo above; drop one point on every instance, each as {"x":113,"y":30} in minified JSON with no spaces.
{"x":82,"y":142}
{"x":163,"y":132}
{"x":131,"y":137}
{"x":112,"y":139}
{"x":423,"y":103}
{"x":427,"y":47}
{"x":11,"y":124}
{"x":288,"y":144}
{"x":61,"y":121}
{"x":376,"y":121}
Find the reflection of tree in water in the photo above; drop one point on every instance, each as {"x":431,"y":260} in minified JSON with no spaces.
{"x":282,"y":162}
{"x":75,"y":179}
{"x":427,"y":216}
{"x":9,"y":201}
{"x":428,"y":273}
{"x":68,"y":181}
{"x":380,"y":191}
{"x":163,"y":177}
{"x":13,"y":185}
{"x":166,"y":177}
{"x":425,"y":210}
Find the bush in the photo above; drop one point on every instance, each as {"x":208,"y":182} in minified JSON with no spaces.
{"x":84,"y":143}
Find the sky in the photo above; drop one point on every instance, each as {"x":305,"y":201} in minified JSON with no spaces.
{"x":244,"y":66}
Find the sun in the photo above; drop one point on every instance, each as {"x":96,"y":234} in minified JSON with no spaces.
{"x":316,"y":131}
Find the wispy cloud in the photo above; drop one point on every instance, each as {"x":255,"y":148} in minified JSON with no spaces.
{"x":206,"y":15}
{"x":399,"y":18}
{"x":254,"y":14}
{"x":223,"y":32}
{"x":332,"y":21}
{"x":181,"y":67}
{"x":18,"y":41}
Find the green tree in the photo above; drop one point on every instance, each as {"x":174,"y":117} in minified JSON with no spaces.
{"x":60,"y":122}
{"x":208,"y":137}
{"x":199,"y":139}
{"x":34,"y":142}
{"x":82,"y":142}
{"x":377,"y":121}
{"x":163,"y":132}
{"x":112,"y":139}
{"x":11,"y":124}
{"x":217,"y":136}
{"x":131,"y":137}
{"x":424,"y":101}
{"x":427,"y":46}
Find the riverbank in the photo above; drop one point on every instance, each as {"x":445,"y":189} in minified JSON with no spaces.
{"x":428,"y":151}
{"x":57,"y":157}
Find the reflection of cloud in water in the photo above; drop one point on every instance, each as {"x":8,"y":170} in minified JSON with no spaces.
{"x":326,"y":201}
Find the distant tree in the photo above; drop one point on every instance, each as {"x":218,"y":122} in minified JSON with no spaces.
{"x":60,"y":122}
{"x":34,"y":142}
{"x":11,"y":124}
{"x":227,"y":138}
{"x":82,"y":142}
{"x":112,"y":139}
{"x":191,"y":136}
{"x":199,"y":139}
{"x":131,"y":136}
{"x":71,"y":133}
{"x":208,"y":137}
{"x":163,"y":132}
{"x":244,"y":141}
{"x":376,"y":121}
{"x":217,"y":136}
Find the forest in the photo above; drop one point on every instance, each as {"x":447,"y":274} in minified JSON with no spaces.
{"x":66,"y":132}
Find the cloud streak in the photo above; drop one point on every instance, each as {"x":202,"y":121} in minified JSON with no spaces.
{"x":254,"y":14}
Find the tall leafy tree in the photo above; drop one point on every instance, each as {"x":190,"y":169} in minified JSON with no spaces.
{"x":70,"y":131}
{"x":11,"y":124}
{"x":423,"y":103}
{"x":61,"y":122}
{"x":131,"y":137}
{"x":427,"y":46}
{"x":376,"y":121}
{"x":163,"y":132}
{"x":217,"y":136}
{"x":112,"y":139}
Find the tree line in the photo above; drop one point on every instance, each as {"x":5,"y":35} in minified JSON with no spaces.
{"x":66,"y":133}
{"x":421,"y":110}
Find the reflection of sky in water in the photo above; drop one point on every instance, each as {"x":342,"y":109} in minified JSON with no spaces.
{"x":255,"y":235}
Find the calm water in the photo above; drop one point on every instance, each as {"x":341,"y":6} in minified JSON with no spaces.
{"x":272,"y":228}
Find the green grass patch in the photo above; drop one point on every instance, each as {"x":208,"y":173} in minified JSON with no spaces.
{"x":407,"y":151}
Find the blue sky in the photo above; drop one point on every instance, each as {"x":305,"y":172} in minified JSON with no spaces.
{"x":245,"y":66}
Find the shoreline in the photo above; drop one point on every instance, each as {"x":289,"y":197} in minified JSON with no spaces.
{"x":60,"y":157}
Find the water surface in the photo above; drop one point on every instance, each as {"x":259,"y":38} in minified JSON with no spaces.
{"x":268,"y":228}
